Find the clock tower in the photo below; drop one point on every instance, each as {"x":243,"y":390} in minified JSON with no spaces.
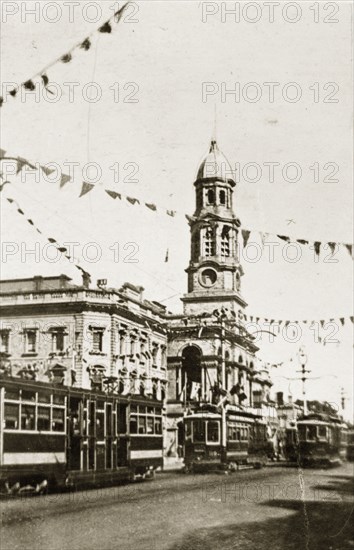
{"x":214,"y":271}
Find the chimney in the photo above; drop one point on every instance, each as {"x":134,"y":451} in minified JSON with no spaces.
{"x":290,"y":399}
{"x":280,"y":398}
{"x":86,"y":279}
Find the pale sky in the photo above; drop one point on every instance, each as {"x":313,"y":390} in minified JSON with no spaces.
{"x":167,"y":55}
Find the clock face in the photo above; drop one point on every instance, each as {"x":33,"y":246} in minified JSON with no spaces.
{"x":208,"y":277}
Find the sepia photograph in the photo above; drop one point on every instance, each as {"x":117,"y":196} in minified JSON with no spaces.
{"x":176,"y":285}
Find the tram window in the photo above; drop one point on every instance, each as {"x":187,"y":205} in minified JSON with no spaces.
{"x":238,"y":435}
{"x":11,"y":416}
{"x":43,"y":419}
{"x":133,"y":408}
{"x":142,"y":410}
{"x":133,"y":425}
{"x":100,"y":425}
{"x":58,"y":420}
{"x":150,"y":410}
{"x":158,"y":426}
{"x":141,"y":424}
{"x":199,"y":431}
{"x":28,"y":417}
{"x":43,"y":397}
{"x":213,"y":432}
{"x":311,"y":433}
{"x":28,"y":395}
{"x":150,"y":425}
{"x":12,"y":394}
{"x":100,"y":405}
{"x":302,"y":433}
{"x":122,"y":419}
{"x":58,"y":399}
{"x":322,"y":432}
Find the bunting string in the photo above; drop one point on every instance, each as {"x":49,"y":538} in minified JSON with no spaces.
{"x":84,"y":45}
{"x":62,"y":249}
{"x":86,"y":188}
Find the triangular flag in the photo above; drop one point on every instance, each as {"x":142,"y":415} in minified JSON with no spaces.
{"x":86,"y":45}
{"x":45,"y":79}
{"x":64,"y":179}
{"x":1,"y":101}
{"x":30,"y":222}
{"x":20,"y":211}
{"x":28,"y":85}
{"x":132,"y":200}
{"x":342,"y":320}
{"x":284,"y":238}
{"x":245,"y":236}
{"x":13,"y":92}
{"x":62,"y":249}
{"x":51,"y":240}
{"x":332,"y":247}
{"x":47,"y":171}
{"x":113,"y":194}
{"x":317,"y":246}
{"x":151,"y":206}
{"x":322,"y":323}
{"x":2,"y":153}
{"x":320,"y":339}
{"x":105,"y":28}
{"x":171,"y":213}
{"x":10,"y":201}
{"x":86,"y":188}
{"x":264,"y":237}
{"x":166,"y":257}
{"x":349,"y":247}
{"x":66,"y":58}
{"x":20,"y":164}
{"x":351,"y":318}
{"x":302,"y":241}
{"x":119,"y":13}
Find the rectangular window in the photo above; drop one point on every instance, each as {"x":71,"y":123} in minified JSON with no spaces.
{"x":100,"y":425}
{"x":58,"y":420}
{"x":97,"y":341}
{"x":213,"y":432}
{"x":43,"y":419}
{"x":11,"y":416}
{"x":4,"y":341}
{"x":58,"y":340}
{"x":28,"y":395}
{"x":12,"y":394}
{"x":133,"y":425}
{"x":322,"y":432}
{"x":43,"y":397}
{"x":141,"y":425}
{"x":150,"y":425}
{"x":59,"y":399}
{"x":28,"y":415}
{"x":199,"y":431}
{"x":30,"y":341}
{"x":158,"y":426}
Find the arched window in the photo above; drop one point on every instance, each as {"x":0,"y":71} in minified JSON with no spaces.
{"x":211,"y":196}
{"x":225,"y":242}
{"x":240,"y":359}
{"x":238,"y":281}
{"x":222,"y":196}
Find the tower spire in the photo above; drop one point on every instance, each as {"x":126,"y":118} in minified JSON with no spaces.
{"x":213,"y":136}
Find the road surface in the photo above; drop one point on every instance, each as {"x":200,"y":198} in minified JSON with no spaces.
{"x":277,"y":508}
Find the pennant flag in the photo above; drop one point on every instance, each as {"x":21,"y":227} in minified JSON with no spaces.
{"x":64,"y":179}
{"x":51,"y":240}
{"x":28,"y":85}
{"x":3,"y":185}
{"x":342,"y":320}
{"x":20,"y":211}
{"x":349,"y":247}
{"x":47,"y":171}
{"x":10,"y":201}
{"x":351,"y":318}
{"x":151,"y":206}
{"x":245,"y":236}
{"x":13,"y":92}
{"x":86,"y":188}
{"x":132,"y":200}
{"x":1,"y":101}
{"x":317,"y":246}
{"x":30,"y":222}
{"x":113,"y":194}
{"x":86,"y":44}
{"x":284,"y":238}
{"x":166,"y":257}
{"x":171,"y":213}
{"x":320,"y":339}
{"x":257,"y":319}
{"x":119,"y":13}
{"x":62,"y":249}
{"x":20,"y":164}
{"x":45,"y":79}
{"x":2,"y":153}
{"x":66,"y":58}
{"x":332,"y":247}
{"x":302,"y":241}
{"x":106,"y":28}
{"x":322,"y":323}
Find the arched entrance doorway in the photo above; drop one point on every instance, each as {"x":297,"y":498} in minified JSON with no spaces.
{"x":192,"y":373}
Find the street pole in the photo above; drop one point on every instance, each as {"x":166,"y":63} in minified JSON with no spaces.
{"x":223,"y":385}
{"x":303,"y":360}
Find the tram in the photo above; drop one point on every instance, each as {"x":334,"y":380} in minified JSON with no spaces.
{"x":246,"y":440}
{"x":55,"y":436}
{"x":317,"y":440}
{"x":350,"y":447}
